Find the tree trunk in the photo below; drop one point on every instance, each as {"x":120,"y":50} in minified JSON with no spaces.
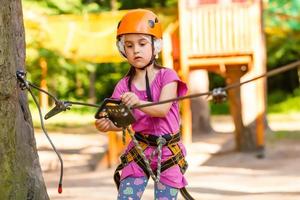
{"x":20,"y":171}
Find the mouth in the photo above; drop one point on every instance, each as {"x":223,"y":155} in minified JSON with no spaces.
{"x":138,"y":58}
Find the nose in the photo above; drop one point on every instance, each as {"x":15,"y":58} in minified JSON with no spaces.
{"x":136,"y":49}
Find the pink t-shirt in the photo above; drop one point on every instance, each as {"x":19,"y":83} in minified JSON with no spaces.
{"x":155,"y":125}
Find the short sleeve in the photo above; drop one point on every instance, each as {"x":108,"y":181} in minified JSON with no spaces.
{"x":120,"y":89}
{"x":169,"y":76}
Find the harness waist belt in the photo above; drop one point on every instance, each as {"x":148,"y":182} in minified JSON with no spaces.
{"x":152,"y":139}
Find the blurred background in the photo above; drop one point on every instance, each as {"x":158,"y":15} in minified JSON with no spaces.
{"x":89,"y":74}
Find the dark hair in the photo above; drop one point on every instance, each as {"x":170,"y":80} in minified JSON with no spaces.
{"x":131,"y":73}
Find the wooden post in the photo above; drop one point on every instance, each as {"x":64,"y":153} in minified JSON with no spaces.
{"x":44,"y":97}
{"x":260,"y":62}
{"x":186,"y":108}
{"x":201,"y":123}
{"x":254,"y":93}
{"x":112,"y":148}
{"x":167,"y":59}
{"x":235,"y":104}
{"x":115,"y":147}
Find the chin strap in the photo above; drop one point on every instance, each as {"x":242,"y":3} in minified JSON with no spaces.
{"x":148,"y":90}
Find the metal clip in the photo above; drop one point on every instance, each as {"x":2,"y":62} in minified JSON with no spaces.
{"x":59,"y":107}
{"x":21,"y":75}
{"x":219,"y":95}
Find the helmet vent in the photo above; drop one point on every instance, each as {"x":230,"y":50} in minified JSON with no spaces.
{"x":151,"y":23}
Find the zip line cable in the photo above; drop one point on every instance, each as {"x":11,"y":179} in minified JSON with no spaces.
{"x":50,"y":141}
{"x":231,"y":86}
{"x":23,"y":84}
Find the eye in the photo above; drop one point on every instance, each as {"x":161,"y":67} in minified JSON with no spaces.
{"x":143,"y":42}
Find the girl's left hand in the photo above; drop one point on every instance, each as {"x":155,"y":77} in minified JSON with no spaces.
{"x":130,"y":99}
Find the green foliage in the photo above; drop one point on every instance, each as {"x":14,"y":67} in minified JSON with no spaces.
{"x":69,"y":80}
{"x":219,"y":108}
{"x":129,"y":4}
{"x":55,"y":7}
{"x":284,"y":13}
{"x":277,"y":97}
{"x":282,"y":22}
{"x":281,"y":102}
{"x":292,"y":135}
{"x":107,"y":76}
{"x":215,"y":80}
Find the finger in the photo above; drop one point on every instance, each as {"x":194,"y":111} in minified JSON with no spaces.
{"x":104,"y":126}
{"x":131,"y":103}
{"x":126,"y":100}
{"x":99,"y":121}
{"x":126,"y":97}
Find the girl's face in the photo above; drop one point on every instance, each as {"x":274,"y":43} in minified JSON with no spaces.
{"x":138,"y":49}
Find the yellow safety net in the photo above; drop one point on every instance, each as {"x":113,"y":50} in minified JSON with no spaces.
{"x":89,"y":37}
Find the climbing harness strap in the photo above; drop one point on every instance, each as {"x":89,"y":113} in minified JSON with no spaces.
{"x":127,"y":158}
{"x":177,"y":159}
{"x":148,"y":90}
{"x":152,"y":139}
{"x":186,"y":195}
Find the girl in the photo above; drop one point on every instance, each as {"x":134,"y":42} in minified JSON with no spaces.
{"x":139,"y":40}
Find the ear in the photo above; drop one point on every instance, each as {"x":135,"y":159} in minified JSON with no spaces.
{"x":157,"y":46}
{"x":121,"y":46}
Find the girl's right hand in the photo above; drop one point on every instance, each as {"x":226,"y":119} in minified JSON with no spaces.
{"x":103,"y":124}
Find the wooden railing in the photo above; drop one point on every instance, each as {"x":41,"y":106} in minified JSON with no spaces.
{"x":217,"y":29}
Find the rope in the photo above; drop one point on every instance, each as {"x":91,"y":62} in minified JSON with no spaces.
{"x":160,"y":141}
{"x":136,"y":143}
{"x":44,"y":91}
{"x":23,"y":84}
{"x":50,"y":141}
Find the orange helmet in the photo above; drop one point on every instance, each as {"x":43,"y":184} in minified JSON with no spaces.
{"x":140,"y":21}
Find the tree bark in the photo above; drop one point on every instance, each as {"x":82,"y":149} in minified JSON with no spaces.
{"x":20,"y":171}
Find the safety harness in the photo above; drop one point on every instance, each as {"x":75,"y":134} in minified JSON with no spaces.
{"x":136,"y":154}
{"x":122,"y":117}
